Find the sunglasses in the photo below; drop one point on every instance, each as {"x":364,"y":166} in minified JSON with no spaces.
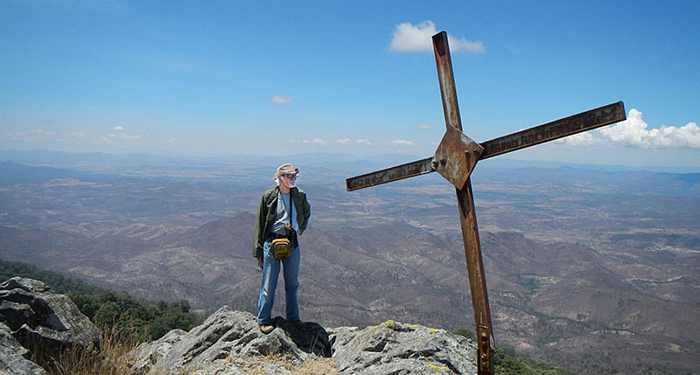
{"x":291,"y":176}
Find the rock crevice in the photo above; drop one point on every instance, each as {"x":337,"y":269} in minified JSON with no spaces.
{"x":32,"y":317}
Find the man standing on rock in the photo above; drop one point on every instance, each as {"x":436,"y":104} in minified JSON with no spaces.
{"x":282,"y":218}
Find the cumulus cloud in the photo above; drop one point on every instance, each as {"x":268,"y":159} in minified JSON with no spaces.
{"x":580,"y":139}
{"x":418,"y":38}
{"x":403,"y":142}
{"x":636,"y":132}
{"x":281,"y":99}
{"x":343,"y":141}
{"x":363,"y":141}
{"x":119,"y":128}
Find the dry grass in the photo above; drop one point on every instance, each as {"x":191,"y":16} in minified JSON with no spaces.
{"x":111,"y":358}
{"x":256,"y":366}
{"x":317,"y":366}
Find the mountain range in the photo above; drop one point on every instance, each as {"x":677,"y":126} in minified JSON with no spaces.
{"x":593,"y":270}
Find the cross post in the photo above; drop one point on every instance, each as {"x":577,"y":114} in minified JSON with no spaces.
{"x":456,"y":158}
{"x":467,"y":215}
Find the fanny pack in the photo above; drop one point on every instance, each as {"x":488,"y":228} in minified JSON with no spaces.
{"x":282,"y":247}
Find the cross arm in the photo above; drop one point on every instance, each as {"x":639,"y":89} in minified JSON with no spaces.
{"x":383,"y":176}
{"x":556,"y":129}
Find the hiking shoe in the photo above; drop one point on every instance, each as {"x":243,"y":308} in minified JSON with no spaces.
{"x":266,"y":328}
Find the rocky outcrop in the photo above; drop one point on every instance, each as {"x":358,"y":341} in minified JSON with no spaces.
{"x":399,"y":348}
{"x":12,"y":356}
{"x":34,"y":317}
{"x":39,"y":317}
{"x":224,"y":336}
{"x":227,"y":343}
{"x":228,"y":340}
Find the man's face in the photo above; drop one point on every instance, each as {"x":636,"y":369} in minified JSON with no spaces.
{"x":288,"y":180}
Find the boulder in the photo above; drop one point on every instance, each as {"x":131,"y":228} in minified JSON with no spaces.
{"x":41,"y":319}
{"x":12,"y":356}
{"x":400,"y":348}
{"x":146,"y":355}
{"x":227,"y":335}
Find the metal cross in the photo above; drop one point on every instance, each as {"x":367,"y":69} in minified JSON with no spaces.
{"x":455,"y":159}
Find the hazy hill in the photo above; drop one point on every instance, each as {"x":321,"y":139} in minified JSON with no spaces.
{"x":583,"y":267}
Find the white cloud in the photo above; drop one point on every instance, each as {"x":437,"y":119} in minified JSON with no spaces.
{"x":281,"y":99}
{"x":418,"y":38}
{"x":403,"y":142}
{"x":359,"y":141}
{"x":580,"y":139}
{"x":119,"y":134}
{"x":424,"y":126}
{"x":316,"y":141}
{"x":635,"y":132}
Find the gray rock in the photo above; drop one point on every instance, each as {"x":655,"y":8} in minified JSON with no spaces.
{"x":228,"y":341}
{"x":399,"y":348}
{"x":226,"y":334}
{"x":218,"y":367}
{"x":148,"y":354}
{"x":12,"y":356}
{"x":43,"y":319}
{"x":29,"y":285}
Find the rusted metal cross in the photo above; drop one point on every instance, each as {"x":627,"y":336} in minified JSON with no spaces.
{"x":455,"y":159}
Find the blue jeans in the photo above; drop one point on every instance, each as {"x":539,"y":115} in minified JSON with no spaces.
{"x":270,"y":273}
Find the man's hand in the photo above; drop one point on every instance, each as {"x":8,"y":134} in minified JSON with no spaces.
{"x":260,"y":264}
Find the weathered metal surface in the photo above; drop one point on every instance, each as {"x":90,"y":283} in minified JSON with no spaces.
{"x":399,"y":172}
{"x":449,"y":162}
{"x":477,"y":279}
{"x":456,"y":157}
{"x":595,"y":118}
{"x":578,"y":123}
{"x":467,"y":214}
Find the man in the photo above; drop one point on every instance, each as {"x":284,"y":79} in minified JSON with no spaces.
{"x":283,"y":214}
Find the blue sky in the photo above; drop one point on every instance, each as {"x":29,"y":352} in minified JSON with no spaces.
{"x":348,"y":77}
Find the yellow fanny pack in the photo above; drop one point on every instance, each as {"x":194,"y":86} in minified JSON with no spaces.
{"x":281,"y":248}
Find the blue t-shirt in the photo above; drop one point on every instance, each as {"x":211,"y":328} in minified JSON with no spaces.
{"x":282,"y":214}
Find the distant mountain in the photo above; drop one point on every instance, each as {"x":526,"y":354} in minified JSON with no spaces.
{"x":596,"y":270}
{"x":14,"y":173}
{"x":557,"y":296}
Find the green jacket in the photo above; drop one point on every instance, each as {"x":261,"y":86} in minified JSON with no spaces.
{"x":266,"y":215}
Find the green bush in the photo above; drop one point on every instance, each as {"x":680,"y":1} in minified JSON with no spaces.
{"x":111,"y":311}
